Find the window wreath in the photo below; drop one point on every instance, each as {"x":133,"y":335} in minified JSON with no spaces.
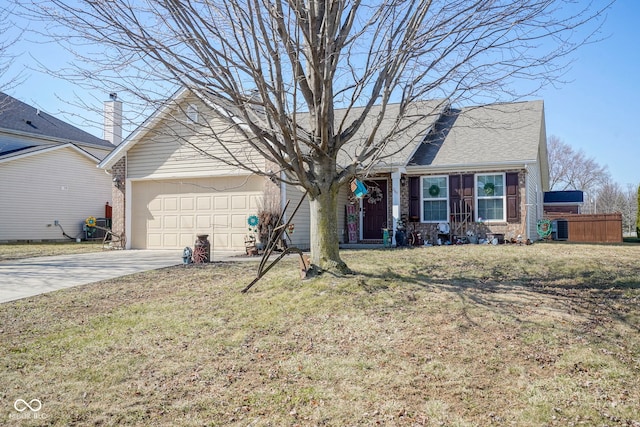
{"x":434,"y":190}
{"x":375,"y":195}
{"x":489,"y":189}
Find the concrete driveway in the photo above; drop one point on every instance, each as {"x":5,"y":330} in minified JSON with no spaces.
{"x":34,"y":276}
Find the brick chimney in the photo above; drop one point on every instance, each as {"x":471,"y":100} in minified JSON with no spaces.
{"x":113,"y":120}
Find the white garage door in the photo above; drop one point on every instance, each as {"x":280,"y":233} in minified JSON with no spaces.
{"x":170,"y":214}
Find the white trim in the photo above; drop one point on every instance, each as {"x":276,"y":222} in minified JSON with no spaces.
{"x":422,"y":200}
{"x":396,"y":201}
{"x":469,"y":168}
{"x":199,"y":174}
{"x":45,"y":149}
{"x":504,"y":197}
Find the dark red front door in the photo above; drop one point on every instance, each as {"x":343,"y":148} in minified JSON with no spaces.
{"x":374,"y":209}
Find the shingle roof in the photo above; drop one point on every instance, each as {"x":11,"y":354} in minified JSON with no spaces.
{"x":37,"y":149}
{"x":406,"y":133}
{"x":570,"y":196}
{"x":414,"y":125}
{"x":19,"y":117}
{"x":497,"y":133}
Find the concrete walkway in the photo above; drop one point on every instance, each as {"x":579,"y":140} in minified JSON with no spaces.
{"x":33,"y":276}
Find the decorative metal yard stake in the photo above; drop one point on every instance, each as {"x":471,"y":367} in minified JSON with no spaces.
{"x":275,"y":237}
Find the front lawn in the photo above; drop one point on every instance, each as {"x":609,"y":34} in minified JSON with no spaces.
{"x":547,"y":334}
{"x":12,"y":251}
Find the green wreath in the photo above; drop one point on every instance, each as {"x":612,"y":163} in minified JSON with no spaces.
{"x":434,"y":190}
{"x":375,"y":195}
{"x":489,"y":189}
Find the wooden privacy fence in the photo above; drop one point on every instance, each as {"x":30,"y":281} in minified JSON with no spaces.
{"x":596,"y":228}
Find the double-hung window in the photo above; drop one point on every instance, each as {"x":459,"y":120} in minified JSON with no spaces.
{"x":435,"y":206}
{"x":491,"y":197}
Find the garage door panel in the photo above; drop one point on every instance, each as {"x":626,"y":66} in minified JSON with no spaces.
{"x":203,"y":203}
{"x":239,"y":202}
{"x":170,"y":240}
{"x":170,"y":203}
{"x":155,"y":240}
{"x":187,"y":204}
{"x":221,"y":202}
{"x":170,"y":222}
{"x":255,"y":202}
{"x":203,"y":222}
{"x":221,"y":221}
{"x":155,"y":205}
{"x":154,"y":223}
{"x":221,"y":241}
{"x":170,"y":214}
{"x":186,"y":221}
{"x":187,"y":239}
{"x":237,"y":239}
{"x":238,"y":221}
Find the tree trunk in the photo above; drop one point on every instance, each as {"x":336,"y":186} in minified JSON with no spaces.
{"x":325,"y":253}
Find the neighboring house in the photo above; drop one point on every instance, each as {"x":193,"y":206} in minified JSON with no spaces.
{"x":482,"y":169}
{"x":48,"y":175}
{"x":563,"y":202}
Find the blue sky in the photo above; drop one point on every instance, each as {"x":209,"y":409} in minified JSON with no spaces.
{"x":595,"y":111}
{"x":598,"y":111}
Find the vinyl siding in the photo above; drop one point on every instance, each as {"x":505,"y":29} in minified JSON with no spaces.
{"x":61,"y":185}
{"x":177,"y":148}
{"x":343,"y":200}
{"x":301,"y":236}
{"x":534,"y":210}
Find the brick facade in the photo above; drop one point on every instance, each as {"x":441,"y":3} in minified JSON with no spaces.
{"x":429,"y":231}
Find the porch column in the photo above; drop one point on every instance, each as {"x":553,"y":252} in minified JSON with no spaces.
{"x":395,"y":202}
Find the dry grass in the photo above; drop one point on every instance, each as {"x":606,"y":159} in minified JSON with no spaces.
{"x":458,"y":336}
{"x":11,"y":251}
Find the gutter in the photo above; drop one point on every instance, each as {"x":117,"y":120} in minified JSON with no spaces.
{"x":471,"y":167}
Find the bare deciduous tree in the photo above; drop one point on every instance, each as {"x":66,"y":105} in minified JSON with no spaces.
{"x":285,"y":67}
{"x":8,"y":37}
{"x":629,"y":209}
{"x":638,"y":215}
{"x":573,"y":170}
{"x":611,"y":197}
